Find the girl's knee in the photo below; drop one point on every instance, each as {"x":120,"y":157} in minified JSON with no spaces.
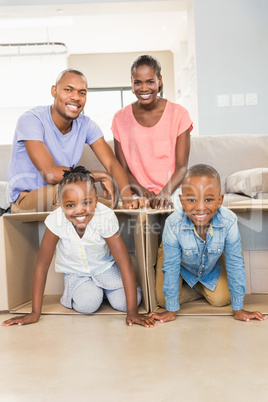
{"x":117,"y":298}
{"x":87,"y":301}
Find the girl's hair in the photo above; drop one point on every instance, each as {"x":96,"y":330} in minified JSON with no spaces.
{"x":150,"y":61}
{"x":75,"y":174}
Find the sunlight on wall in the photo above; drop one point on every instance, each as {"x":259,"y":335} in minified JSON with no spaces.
{"x":25,"y":82}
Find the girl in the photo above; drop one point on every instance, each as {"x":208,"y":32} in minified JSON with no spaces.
{"x":152,"y":137}
{"x":90,"y":252}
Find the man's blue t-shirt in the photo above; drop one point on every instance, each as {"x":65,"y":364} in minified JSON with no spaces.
{"x":66,"y":149}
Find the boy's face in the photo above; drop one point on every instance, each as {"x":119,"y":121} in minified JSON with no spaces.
{"x":200,"y":199}
{"x":78,"y":202}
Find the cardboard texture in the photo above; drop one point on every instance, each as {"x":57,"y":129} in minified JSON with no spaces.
{"x":20,"y":237}
{"x":142,"y":231}
{"x":202,"y":307}
{"x":253,"y":226}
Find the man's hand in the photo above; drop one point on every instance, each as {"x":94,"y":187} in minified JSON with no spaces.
{"x":165,"y":316}
{"x":136,"y":203}
{"x":22,"y":320}
{"x":244,"y":315}
{"x":109,"y":189}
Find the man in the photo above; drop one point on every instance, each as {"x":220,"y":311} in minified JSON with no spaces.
{"x":50,"y":139}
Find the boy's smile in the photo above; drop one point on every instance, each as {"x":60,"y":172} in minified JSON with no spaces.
{"x":200,"y":200}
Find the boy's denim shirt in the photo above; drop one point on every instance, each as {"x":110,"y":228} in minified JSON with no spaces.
{"x":198,"y":260}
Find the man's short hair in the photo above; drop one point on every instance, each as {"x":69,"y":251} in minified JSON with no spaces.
{"x":72,"y":71}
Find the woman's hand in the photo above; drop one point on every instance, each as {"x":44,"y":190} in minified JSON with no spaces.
{"x":22,"y":320}
{"x":136,"y":318}
{"x":162,"y":201}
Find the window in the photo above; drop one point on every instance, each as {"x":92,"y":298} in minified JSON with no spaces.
{"x":103,"y":103}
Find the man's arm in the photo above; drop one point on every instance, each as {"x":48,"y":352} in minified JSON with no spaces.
{"x":44,"y":162}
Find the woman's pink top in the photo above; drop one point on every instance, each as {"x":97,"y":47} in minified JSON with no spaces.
{"x":150,"y":151}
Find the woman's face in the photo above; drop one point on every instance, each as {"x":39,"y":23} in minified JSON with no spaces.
{"x":145,"y":84}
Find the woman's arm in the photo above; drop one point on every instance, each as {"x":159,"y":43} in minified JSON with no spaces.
{"x":120,"y":253}
{"x":135,"y":186}
{"x":44,"y":258}
{"x":107,"y":158}
{"x":162,"y":201}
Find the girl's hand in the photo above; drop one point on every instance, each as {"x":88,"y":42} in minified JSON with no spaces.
{"x":22,"y":320}
{"x":165,"y":316}
{"x":161,"y":201}
{"x":136,"y":318}
{"x":244,"y":315}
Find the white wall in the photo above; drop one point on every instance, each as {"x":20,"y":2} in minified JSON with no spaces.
{"x":25,"y":82}
{"x":231,"y":58}
{"x":113,"y":69}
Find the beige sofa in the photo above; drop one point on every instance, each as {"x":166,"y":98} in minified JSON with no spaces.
{"x":229,"y":154}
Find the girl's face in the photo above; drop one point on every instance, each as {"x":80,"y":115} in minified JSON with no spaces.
{"x":145,"y":84}
{"x":78,"y":202}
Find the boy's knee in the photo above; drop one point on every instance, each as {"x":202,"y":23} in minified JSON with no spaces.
{"x":220,"y":300}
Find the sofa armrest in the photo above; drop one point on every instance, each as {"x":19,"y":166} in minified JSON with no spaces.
{"x":4,"y":195}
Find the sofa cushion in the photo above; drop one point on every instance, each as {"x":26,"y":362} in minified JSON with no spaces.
{"x":249,"y":182}
{"x":230,"y":153}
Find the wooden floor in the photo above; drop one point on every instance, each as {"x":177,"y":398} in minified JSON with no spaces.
{"x":98,"y":358}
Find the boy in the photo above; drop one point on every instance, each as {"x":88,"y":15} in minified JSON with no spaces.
{"x":194,"y":239}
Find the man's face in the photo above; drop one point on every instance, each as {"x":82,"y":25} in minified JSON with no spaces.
{"x":200,"y":199}
{"x":70,"y":95}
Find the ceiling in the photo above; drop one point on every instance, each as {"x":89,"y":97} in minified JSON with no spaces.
{"x":95,"y":26}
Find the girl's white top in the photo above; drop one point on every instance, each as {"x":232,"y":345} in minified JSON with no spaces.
{"x":90,"y":254}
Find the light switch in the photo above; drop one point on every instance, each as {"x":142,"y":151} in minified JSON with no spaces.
{"x":223,"y":100}
{"x":252,"y":99}
{"x":238,"y":100}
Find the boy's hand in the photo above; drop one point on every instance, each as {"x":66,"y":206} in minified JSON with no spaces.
{"x":164,"y":317}
{"x":136,"y":318}
{"x":244,"y":315}
{"x":22,"y":320}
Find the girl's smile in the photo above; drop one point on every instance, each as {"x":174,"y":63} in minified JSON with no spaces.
{"x":78,"y":202}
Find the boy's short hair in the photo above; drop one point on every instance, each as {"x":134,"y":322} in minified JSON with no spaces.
{"x":201,"y":170}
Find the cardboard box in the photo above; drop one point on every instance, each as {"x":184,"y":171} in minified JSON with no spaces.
{"x":253,"y":227}
{"x":20,"y":236}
